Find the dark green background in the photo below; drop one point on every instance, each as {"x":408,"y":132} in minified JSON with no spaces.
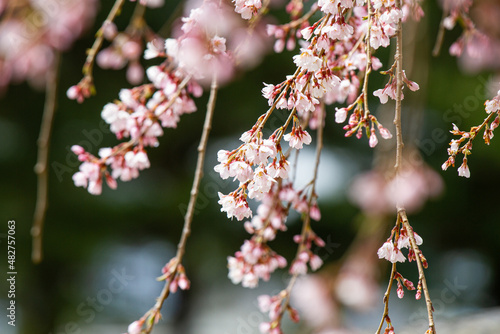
{"x":83,"y":232}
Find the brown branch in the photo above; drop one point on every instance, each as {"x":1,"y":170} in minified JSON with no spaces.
{"x":440,"y":37}
{"x":188,"y":218}
{"x":368,"y":68}
{"x":42,"y":161}
{"x":399,"y":152}
{"x":92,"y":52}
{"x":421,"y":275}
{"x":399,"y":88}
{"x":386,"y":299}
{"x":319,"y":144}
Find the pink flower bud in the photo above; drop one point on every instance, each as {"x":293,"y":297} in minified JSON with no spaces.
{"x":373,"y":139}
{"x":109,"y":30}
{"x":265,"y":327}
{"x":135,"y":327}
{"x":400,"y":291}
{"x":73,"y":92}
{"x":384,"y":132}
{"x":135,"y":73}
{"x":77,"y":149}
{"x":131,"y":50}
{"x":264,"y":303}
{"x":173,"y":286}
{"x":340,"y":115}
{"x":110,"y":181}
{"x":183,"y":282}
{"x":315,"y":262}
{"x":315,"y":213}
{"x":294,"y":315}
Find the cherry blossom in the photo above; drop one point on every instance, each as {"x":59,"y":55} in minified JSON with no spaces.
{"x":297,"y":138}
{"x":235,"y":206}
{"x":253,"y":262}
{"x":391,"y":253}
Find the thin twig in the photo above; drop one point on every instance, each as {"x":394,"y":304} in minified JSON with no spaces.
{"x":399,"y":88}
{"x":188,"y":218}
{"x":421,"y":275}
{"x":386,"y":299}
{"x":398,"y":166}
{"x":319,"y":144}
{"x":440,"y":37}
{"x":368,"y":68}
{"x":92,"y":52}
{"x":41,"y":169}
{"x":307,"y":219}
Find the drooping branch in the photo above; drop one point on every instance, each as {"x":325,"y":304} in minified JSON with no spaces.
{"x":368,"y":58}
{"x":42,"y":161}
{"x":399,"y":88}
{"x":421,"y":275}
{"x":92,"y":52}
{"x":401,"y":211}
{"x":387,"y":294}
{"x":188,"y":218}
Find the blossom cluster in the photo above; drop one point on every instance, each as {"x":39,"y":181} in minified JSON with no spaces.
{"x":276,"y":306}
{"x":256,"y":260}
{"x":126,"y":48}
{"x":209,"y":41}
{"x":458,"y":12}
{"x":392,"y":250}
{"x":175,"y":274}
{"x":256,"y":164}
{"x":407,"y":284}
{"x":463,"y":145}
{"x":332,"y":56}
{"x":190,"y":60}
{"x":34,"y":31}
{"x":261,"y":168}
{"x":140,"y":114}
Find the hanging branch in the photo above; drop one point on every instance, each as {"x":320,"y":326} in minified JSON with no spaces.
{"x":284,"y":295}
{"x":399,"y":88}
{"x":85,"y":88}
{"x":385,"y":315}
{"x":175,"y":264}
{"x":92,"y":52}
{"x":440,"y":37}
{"x":368,"y":68}
{"x":42,"y":161}
{"x":421,"y":275}
{"x":402,"y":217}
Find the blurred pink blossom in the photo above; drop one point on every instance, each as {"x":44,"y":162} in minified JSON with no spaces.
{"x":28,"y":42}
{"x":375,"y":194}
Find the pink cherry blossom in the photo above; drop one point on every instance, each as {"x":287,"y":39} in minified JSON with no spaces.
{"x":390,"y":253}
{"x":235,"y":206}
{"x":463,"y":170}
{"x":297,"y":138}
